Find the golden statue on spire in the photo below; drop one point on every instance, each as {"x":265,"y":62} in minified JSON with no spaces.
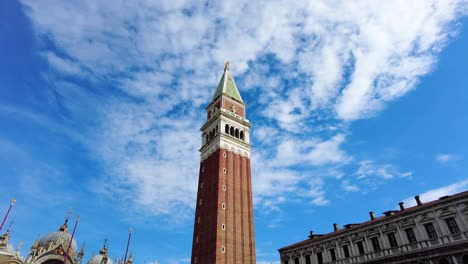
{"x":226,"y":65}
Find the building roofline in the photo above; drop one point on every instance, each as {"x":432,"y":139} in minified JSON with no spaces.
{"x":316,"y":238}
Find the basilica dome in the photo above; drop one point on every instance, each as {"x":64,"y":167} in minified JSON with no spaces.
{"x":98,"y":259}
{"x":59,"y":238}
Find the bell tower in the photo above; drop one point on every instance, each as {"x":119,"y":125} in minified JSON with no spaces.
{"x":224,"y":223}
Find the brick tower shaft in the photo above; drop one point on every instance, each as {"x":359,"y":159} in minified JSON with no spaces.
{"x":224,"y":225}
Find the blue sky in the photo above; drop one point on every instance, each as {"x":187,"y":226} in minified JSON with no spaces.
{"x":354,"y":106}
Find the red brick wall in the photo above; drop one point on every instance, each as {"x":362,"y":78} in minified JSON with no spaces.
{"x":238,"y":238}
{"x":227,"y":104}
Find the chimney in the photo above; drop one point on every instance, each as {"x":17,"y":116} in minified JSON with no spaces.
{"x":402,"y":206}
{"x":335,"y":227}
{"x":372,"y":215}
{"x":418,"y":201}
{"x":311,"y":234}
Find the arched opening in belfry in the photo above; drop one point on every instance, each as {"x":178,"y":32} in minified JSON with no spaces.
{"x":232,"y":131}
{"x":216,"y":129}
{"x":236,"y":133}
{"x":211,"y":135}
{"x":242,"y":135}
{"x":226,"y":129}
{"x":443,"y":261}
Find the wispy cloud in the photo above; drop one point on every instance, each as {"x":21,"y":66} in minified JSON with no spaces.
{"x":347,"y":186}
{"x":372,"y":175}
{"x":339,"y":61}
{"x":444,"y":158}
{"x":368,"y":169}
{"x":435,"y":194}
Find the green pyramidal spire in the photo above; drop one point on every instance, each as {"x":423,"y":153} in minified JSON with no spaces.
{"x":227,"y":86}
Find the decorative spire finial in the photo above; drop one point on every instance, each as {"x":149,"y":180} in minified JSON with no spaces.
{"x":82,"y":249}
{"x":69,"y":212}
{"x":20,"y":245}
{"x":130,"y":259}
{"x":11,"y":223}
{"x":226,"y":65}
{"x":13,"y":201}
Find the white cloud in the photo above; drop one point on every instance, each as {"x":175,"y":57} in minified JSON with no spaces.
{"x":311,"y":152}
{"x":444,"y":158}
{"x":435,"y":194}
{"x":63,"y":65}
{"x":368,"y":168}
{"x":347,"y":186}
{"x":340,"y":61}
{"x":371,"y":175}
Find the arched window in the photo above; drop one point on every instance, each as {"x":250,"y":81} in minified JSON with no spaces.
{"x":216,"y":129}
{"x":237,"y":133}
{"x":242,"y":135}
{"x":226,"y":129}
{"x":232,"y":131}
{"x":206,"y":138}
{"x":211,"y":135}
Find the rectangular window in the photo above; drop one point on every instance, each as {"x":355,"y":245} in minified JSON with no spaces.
{"x":360,"y":247}
{"x":346,"y":251}
{"x":452,"y":225}
{"x":375,"y":244}
{"x":410,"y":235}
{"x":332,"y":254}
{"x":319,"y":258}
{"x":296,"y":261}
{"x":392,"y":240}
{"x":430,"y":230}
{"x":307,"y":259}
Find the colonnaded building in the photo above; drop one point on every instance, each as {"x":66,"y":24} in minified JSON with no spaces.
{"x":435,"y":232}
{"x":52,"y":249}
{"x":224,"y":225}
